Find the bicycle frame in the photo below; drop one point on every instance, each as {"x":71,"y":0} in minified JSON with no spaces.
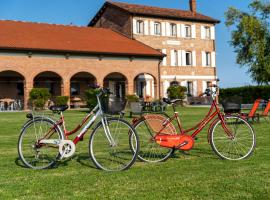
{"x":214,"y":113}
{"x":93,"y":115}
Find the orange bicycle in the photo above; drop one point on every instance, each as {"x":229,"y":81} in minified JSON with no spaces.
{"x":231,"y":137}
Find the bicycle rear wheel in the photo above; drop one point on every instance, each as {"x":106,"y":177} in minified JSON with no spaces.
{"x":240,"y":145}
{"x":33,"y":154}
{"x":147,"y":127}
{"x":116,"y":155}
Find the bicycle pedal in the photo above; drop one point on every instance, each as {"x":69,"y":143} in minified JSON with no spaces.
{"x":81,"y":139}
{"x":196,"y":138}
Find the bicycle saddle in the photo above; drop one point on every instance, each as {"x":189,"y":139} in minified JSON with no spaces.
{"x":58,"y":108}
{"x":168,"y":101}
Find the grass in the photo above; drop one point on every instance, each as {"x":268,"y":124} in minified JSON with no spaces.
{"x":197,"y":174}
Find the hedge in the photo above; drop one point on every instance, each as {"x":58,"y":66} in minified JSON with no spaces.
{"x":248,"y":94}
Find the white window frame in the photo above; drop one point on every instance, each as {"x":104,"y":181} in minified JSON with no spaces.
{"x":157,"y":28}
{"x":207,"y":59}
{"x":176,"y":60}
{"x":140,"y":27}
{"x":188,"y":58}
{"x":207,"y":31}
{"x":188,"y":31}
{"x":173,"y":30}
{"x":190,"y":88}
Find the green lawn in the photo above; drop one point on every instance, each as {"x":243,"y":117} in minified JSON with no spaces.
{"x":197,"y":174}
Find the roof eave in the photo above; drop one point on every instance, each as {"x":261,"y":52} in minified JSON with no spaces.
{"x":117,"y":54}
{"x":213,"y":21}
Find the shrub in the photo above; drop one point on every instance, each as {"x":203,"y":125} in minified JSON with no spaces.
{"x":90,"y":98}
{"x":176,"y":92}
{"x":248,"y":94}
{"x":61,"y":100}
{"x":132,"y":98}
{"x":39,"y":97}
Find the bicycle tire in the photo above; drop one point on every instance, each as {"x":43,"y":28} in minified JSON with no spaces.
{"x":116,"y":157}
{"x":241,"y":146}
{"x":150,"y":151}
{"x":38,"y":157}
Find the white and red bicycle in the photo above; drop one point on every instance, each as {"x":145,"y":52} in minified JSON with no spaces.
{"x":43,"y":141}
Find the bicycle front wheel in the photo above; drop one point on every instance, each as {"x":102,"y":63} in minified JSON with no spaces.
{"x":147,"y":127}
{"x":112,"y":151}
{"x":33,"y":154}
{"x":238,"y":144}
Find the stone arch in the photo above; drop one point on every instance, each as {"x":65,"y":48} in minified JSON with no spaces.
{"x":117,"y":83}
{"x":145,"y":85}
{"x":79,"y":83}
{"x":50,"y":80}
{"x":12,"y":84}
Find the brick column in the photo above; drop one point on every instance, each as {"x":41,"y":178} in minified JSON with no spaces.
{"x":65,"y":89}
{"x":130,"y":87}
{"x":28,"y":85}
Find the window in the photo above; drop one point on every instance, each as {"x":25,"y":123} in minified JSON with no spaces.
{"x":188,"y":58}
{"x":75,"y":89}
{"x":140,"y":27}
{"x":173,"y":30}
{"x":189,"y":88}
{"x":157,"y":28}
{"x":207,"y":32}
{"x":175,"y":58}
{"x":207,"y":58}
{"x":187,"y":31}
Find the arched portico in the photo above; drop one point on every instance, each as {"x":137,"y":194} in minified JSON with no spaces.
{"x":117,"y":83}
{"x":145,"y":86}
{"x":50,"y":80}
{"x":11,"y":90}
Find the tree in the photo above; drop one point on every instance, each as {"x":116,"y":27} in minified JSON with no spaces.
{"x":251,"y":39}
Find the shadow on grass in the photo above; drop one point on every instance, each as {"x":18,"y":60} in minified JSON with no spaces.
{"x":196,"y":153}
{"x":82,"y":159}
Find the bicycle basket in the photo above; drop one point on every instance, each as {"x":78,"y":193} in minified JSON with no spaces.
{"x":232,"y":104}
{"x":113,"y":105}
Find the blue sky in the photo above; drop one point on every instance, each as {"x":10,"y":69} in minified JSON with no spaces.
{"x":79,"y":12}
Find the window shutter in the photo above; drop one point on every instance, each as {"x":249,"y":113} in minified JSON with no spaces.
{"x":184,"y":63}
{"x":179,"y":58}
{"x":183,"y":33}
{"x":195,"y":88}
{"x":163,"y":29}
{"x":172,"y":58}
{"x":178,"y":30}
{"x":168,"y":31}
{"x":134,"y":26}
{"x":213,"y":59}
{"x":202,"y":32}
{"x":151,"y":28}
{"x":146,"y":29}
{"x":194,"y":64}
{"x":213,"y":33}
{"x":204,"y":86}
{"x":164,"y":61}
{"x":203,"y":59}
{"x":193,"y":31}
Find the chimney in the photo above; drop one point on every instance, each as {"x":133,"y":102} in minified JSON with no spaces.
{"x":192,"y":4}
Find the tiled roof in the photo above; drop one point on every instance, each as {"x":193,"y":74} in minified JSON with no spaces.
{"x":61,"y":38}
{"x":159,"y":12}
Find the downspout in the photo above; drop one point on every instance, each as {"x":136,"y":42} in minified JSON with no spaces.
{"x":159,"y":80}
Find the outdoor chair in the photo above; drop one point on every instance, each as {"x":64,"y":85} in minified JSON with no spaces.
{"x":266,"y":110}
{"x":252,"y":113}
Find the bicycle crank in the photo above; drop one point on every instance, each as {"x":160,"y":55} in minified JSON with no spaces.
{"x":66,"y":148}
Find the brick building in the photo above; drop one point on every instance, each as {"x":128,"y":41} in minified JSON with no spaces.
{"x":123,"y":49}
{"x":68,"y":59}
{"x":186,"y":37}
